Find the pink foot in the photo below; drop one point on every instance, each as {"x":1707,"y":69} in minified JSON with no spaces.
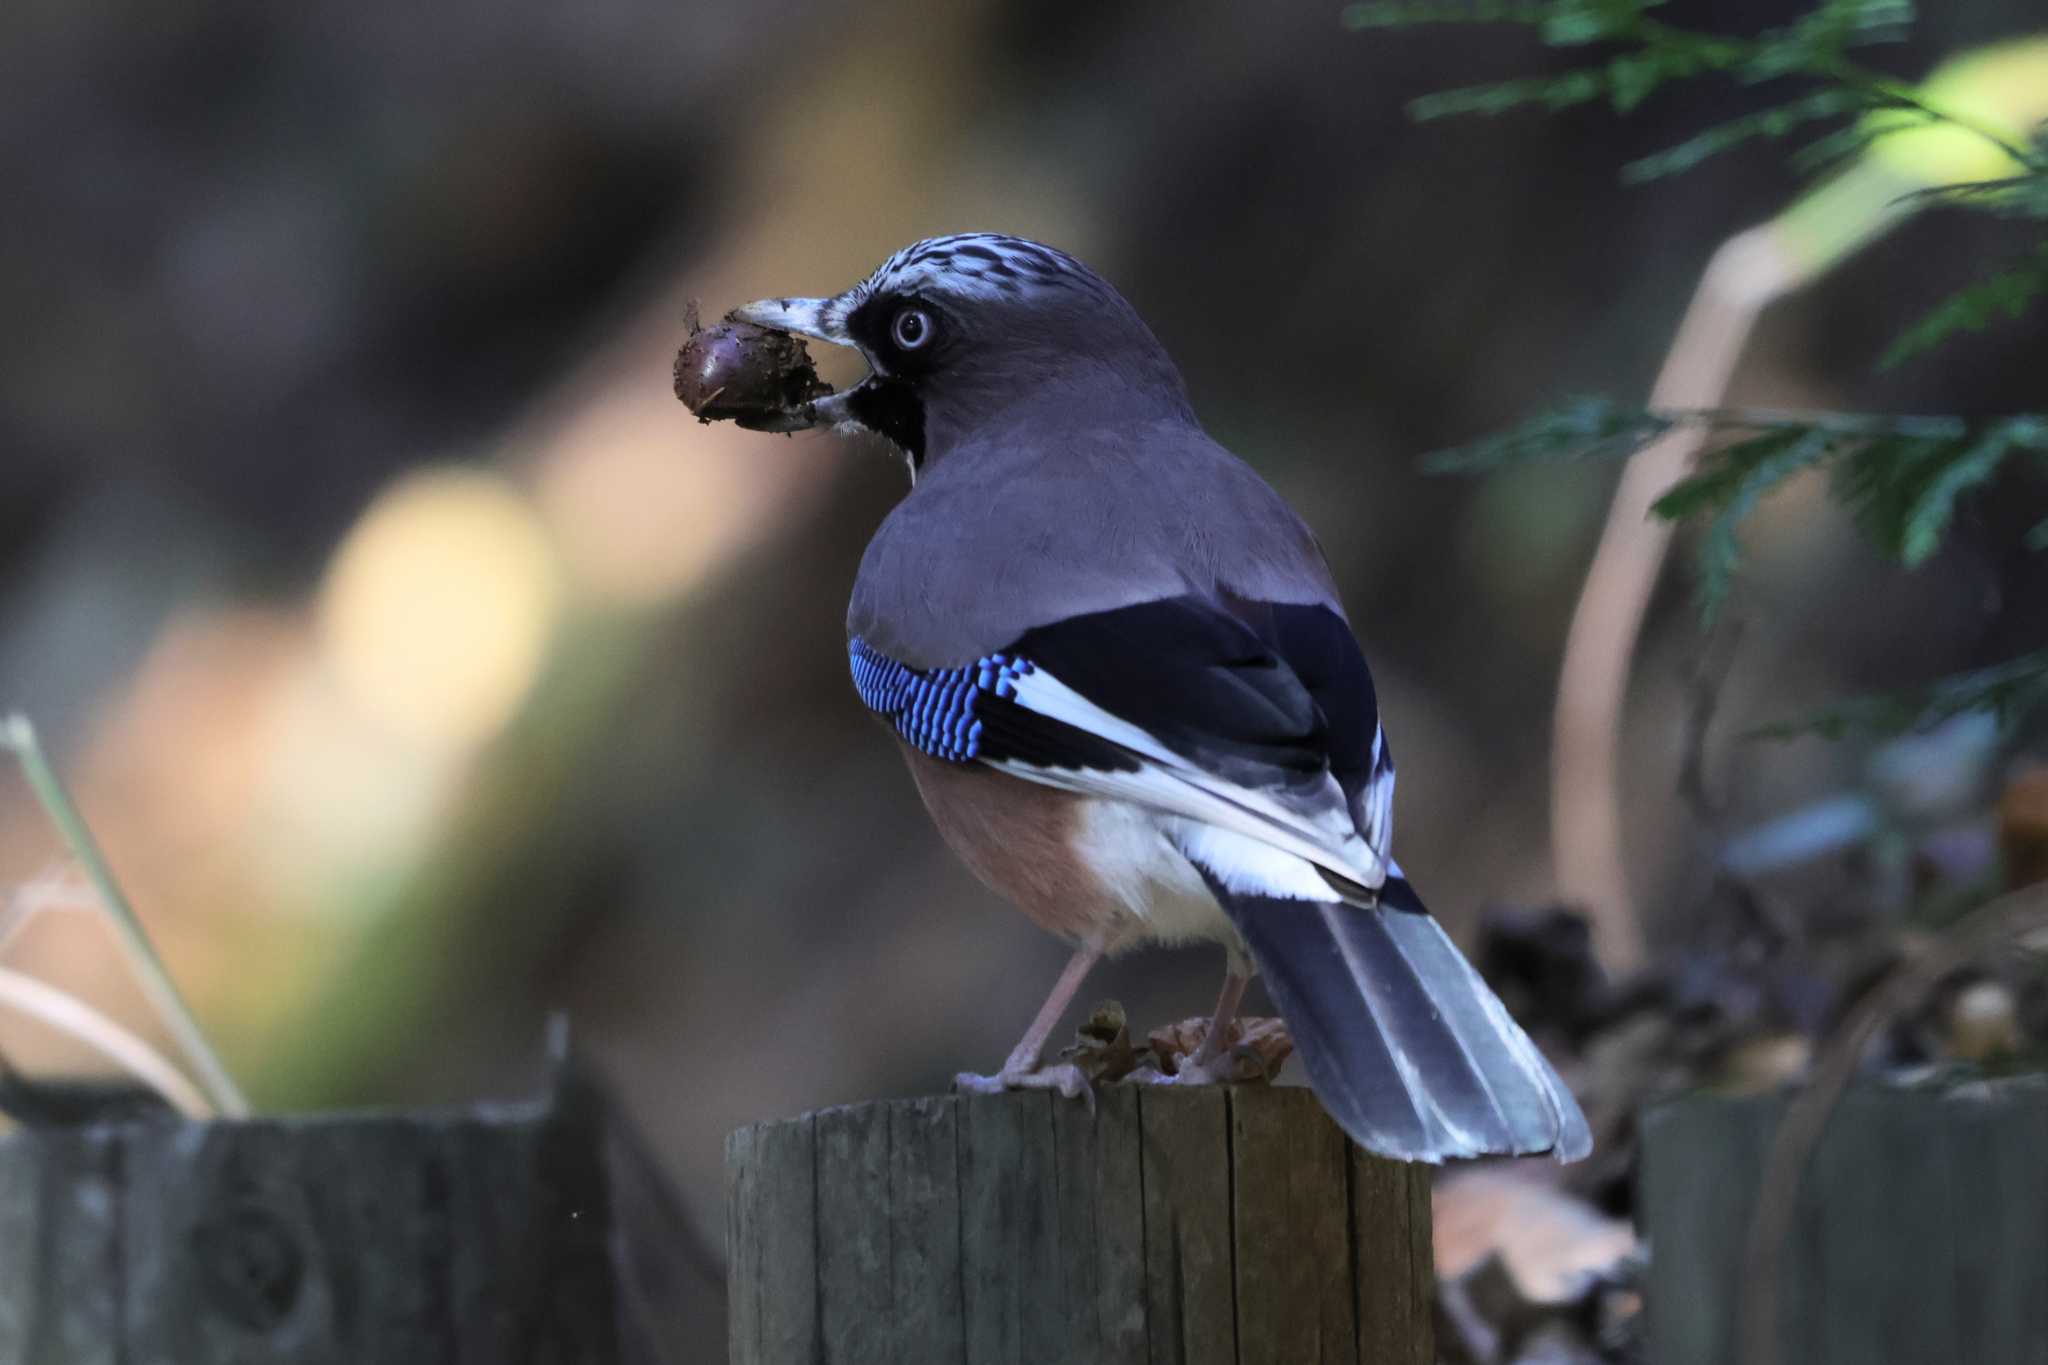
{"x":1240,"y":1064}
{"x":1066,"y":1078}
{"x":1258,"y":1049}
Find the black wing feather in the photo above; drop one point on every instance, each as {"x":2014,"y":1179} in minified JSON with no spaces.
{"x":1208,"y":685}
{"x":1272,"y":697}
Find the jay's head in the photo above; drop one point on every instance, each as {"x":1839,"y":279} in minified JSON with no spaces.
{"x":965,"y":333}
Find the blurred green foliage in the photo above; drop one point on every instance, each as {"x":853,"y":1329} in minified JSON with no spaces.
{"x":2003,"y":296}
{"x":1901,"y":477}
{"x":1653,"y":55}
{"x":2007,"y":690}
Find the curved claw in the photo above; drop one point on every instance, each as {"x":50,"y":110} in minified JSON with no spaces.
{"x":1223,"y":1068}
{"x":968,"y":1083}
{"x":1185,"y":1076}
{"x":1069,"y":1080}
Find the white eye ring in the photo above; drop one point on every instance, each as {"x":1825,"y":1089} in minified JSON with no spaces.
{"x":912,"y":328}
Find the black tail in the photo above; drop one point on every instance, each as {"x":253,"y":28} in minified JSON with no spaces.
{"x":1405,"y":1045}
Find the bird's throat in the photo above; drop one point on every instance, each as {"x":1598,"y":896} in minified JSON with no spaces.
{"x":892,"y":409}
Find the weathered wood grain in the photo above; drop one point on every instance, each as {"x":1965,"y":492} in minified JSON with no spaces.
{"x":1190,"y":1290}
{"x":1291,"y":1199}
{"x":1998,"y":1155}
{"x":1700,"y":1171}
{"x":1162,"y":1227}
{"x":1101,"y":1228}
{"x":924,"y":1228}
{"x":1010,"y":1249}
{"x":478,"y":1236}
{"x":1886,"y":1234}
{"x":61,"y":1262}
{"x":855,"y":1277}
{"x":1390,"y":1222}
{"x":771,"y":1241}
{"x":1920,"y":1232}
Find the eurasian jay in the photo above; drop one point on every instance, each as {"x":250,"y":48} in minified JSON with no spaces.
{"x":1118,"y":668}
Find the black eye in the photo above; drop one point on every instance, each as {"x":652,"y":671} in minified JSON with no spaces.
{"x":912,"y":328}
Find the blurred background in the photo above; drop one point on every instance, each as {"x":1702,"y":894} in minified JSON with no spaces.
{"x":426,"y":669}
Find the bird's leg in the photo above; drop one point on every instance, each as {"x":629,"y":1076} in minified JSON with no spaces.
{"x":1022,"y":1071}
{"x":1211,"y":1063}
{"x":1235,"y":979}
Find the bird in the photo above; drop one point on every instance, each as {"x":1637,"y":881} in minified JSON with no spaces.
{"x":1117,"y":665}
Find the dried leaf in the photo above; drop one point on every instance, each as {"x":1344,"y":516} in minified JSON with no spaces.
{"x":1102,"y":1046}
{"x":1259,"y":1047}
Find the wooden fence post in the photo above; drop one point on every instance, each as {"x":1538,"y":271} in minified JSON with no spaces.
{"x":1919,"y":1232}
{"x":527,"y":1234}
{"x":1202,"y":1227}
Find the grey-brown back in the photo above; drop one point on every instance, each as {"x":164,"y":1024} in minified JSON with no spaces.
{"x":1008,"y":533}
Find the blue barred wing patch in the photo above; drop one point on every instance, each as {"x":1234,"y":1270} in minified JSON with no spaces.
{"x":934,"y":709}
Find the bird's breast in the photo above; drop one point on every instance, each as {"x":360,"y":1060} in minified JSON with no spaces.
{"x":1076,"y":866}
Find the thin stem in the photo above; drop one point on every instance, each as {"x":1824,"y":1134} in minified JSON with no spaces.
{"x":17,"y":734}
{"x":1747,"y":272}
{"x":30,"y":900}
{"x":73,"y":1017}
{"x":14,"y":917}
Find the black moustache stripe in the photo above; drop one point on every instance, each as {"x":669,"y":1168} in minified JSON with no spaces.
{"x":893,"y":409}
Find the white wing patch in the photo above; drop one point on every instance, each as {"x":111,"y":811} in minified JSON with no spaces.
{"x":1172,"y":785}
{"x":1243,"y":864}
{"x":1376,"y":815}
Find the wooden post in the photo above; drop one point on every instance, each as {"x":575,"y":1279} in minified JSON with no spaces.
{"x":1200,"y":1227}
{"x":1919,"y":1233}
{"x":506,"y":1234}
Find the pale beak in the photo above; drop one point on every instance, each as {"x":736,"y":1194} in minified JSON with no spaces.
{"x":820,"y":319}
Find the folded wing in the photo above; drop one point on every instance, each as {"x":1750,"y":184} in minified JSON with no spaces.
{"x":1182,"y":706}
